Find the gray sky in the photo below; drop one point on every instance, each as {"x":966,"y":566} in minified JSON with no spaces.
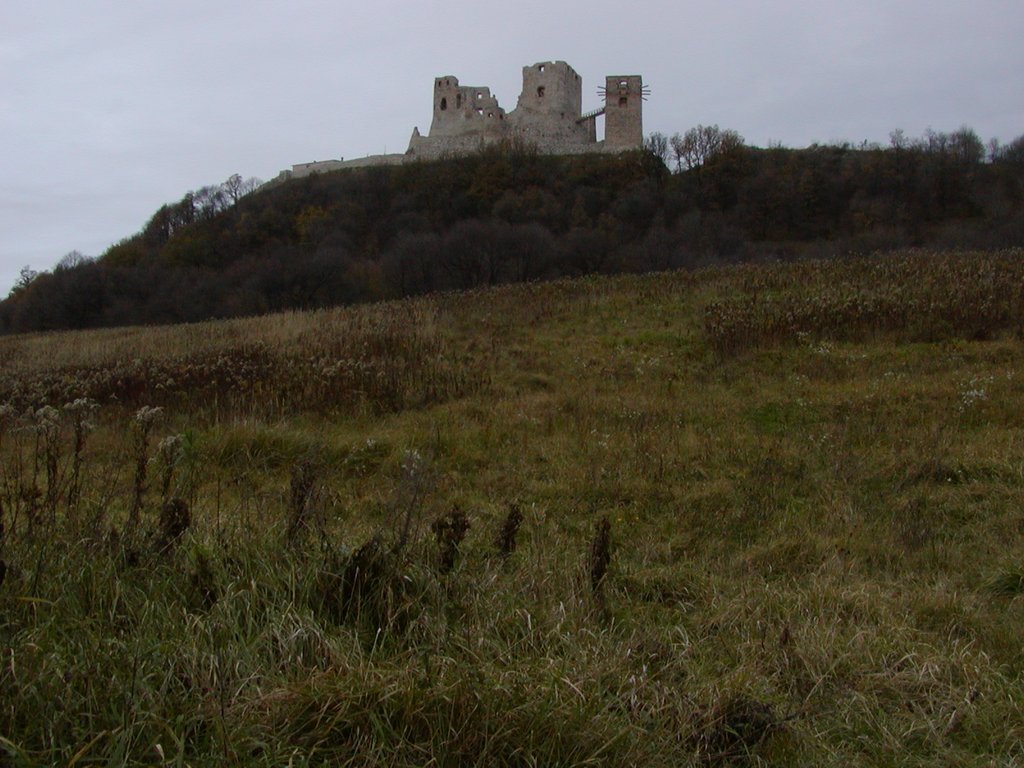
{"x":110,"y":108}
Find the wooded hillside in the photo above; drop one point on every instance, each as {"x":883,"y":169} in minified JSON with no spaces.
{"x":509,"y":214}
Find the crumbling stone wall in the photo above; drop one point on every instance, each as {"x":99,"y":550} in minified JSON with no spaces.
{"x":460,"y":110}
{"x":548,"y":115}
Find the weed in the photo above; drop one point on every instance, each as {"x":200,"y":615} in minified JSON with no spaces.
{"x":506,"y":540}
{"x":364,"y":581}
{"x":81,"y":412}
{"x":143,"y":423}
{"x":175,"y":519}
{"x":449,"y":531}
{"x":48,"y":428}
{"x":170,"y":451}
{"x":417,"y":479}
{"x":304,"y":500}
{"x":203,"y":582}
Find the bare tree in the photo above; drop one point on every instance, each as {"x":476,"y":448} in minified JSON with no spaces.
{"x":72,"y":260}
{"x":657,"y":145}
{"x":233,"y":188}
{"x":236,"y":187}
{"x":699,"y":145}
{"x":209,"y":201}
{"x":966,"y":146}
{"x":26,"y":277}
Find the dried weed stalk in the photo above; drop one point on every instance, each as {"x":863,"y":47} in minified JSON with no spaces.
{"x":449,"y":531}
{"x":364,"y":578}
{"x":80,"y":412}
{"x":304,"y":500}
{"x":170,"y":451}
{"x":175,"y":519}
{"x":143,"y":422}
{"x":506,"y":540}
{"x":204,"y":582}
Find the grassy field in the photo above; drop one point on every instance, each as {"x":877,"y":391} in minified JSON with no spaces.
{"x":771,"y":514}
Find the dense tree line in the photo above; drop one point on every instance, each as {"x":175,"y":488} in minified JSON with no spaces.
{"x":511,"y":214}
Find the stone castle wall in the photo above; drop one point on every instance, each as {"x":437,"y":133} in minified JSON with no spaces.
{"x":548,"y":115}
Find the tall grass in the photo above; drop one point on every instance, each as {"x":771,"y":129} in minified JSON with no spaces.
{"x":341,"y":361}
{"x":911,"y":297}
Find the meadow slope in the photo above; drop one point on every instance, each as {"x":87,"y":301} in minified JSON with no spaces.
{"x":376,"y":535}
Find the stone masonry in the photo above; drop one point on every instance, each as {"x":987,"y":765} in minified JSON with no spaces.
{"x":549,"y":116}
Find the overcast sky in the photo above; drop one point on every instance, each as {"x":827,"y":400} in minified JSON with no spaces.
{"x":110,"y":108}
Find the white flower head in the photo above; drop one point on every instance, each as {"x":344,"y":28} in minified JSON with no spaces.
{"x":146,"y":415}
{"x":170,"y":446}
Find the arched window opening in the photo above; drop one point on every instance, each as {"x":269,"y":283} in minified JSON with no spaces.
{"x":540,"y":91}
{"x":622,"y":101}
{"x":444,"y":104}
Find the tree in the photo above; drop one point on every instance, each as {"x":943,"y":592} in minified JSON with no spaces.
{"x":208,"y":202}
{"x":966,"y":147}
{"x":26,"y":277}
{"x":657,"y":145}
{"x":699,"y":145}
{"x":235,"y":188}
{"x":169,"y":219}
{"x":71,"y":261}
{"x":898,"y":140}
{"x":1012,"y":153}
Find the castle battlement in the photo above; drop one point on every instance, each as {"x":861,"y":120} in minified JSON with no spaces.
{"x":548,"y":115}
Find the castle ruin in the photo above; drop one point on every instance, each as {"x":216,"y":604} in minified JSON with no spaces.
{"x":549,"y":116}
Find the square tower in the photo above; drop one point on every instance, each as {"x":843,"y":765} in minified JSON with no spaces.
{"x":623,"y":112}
{"x":552,"y":88}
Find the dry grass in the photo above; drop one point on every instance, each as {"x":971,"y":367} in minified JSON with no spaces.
{"x":920,"y":296}
{"x":369,"y":358}
{"x":812,"y":554}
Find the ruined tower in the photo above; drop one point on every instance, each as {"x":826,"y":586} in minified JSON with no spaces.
{"x":623,"y":112}
{"x":552,"y":88}
{"x":464,"y":109}
{"x":548,"y":111}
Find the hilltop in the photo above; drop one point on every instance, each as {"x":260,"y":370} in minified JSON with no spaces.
{"x":509,"y":214}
